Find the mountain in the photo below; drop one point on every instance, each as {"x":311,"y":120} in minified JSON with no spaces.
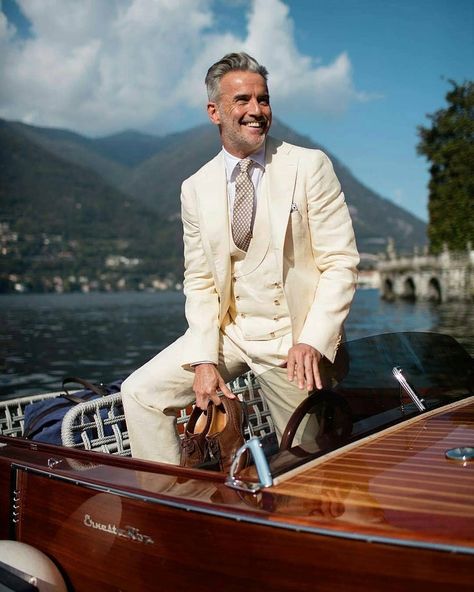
{"x":157,"y":181}
{"x":76,"y":149}
{"x":125,"y":188}
{"x":58,"y":218}
{"x":129,"y":148}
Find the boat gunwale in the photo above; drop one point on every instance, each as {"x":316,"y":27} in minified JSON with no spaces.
{"x":283,"y":521}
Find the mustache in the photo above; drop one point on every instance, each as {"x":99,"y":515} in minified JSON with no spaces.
{"x":261,"y":119}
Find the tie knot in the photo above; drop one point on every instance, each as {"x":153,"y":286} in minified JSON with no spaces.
{"x":244,"y":164}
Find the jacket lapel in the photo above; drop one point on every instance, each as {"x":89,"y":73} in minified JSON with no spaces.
{"x":280,"y":171}
{"x":212,"y":195}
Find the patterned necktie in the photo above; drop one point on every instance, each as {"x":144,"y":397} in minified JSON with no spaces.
{"x":243,"y":207}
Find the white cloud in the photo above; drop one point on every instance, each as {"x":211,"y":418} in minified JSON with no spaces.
{"x":100,"y":66}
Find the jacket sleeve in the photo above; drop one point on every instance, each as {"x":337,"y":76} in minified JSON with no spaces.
{"x":335,"y":255}
{"x":202,"y":301}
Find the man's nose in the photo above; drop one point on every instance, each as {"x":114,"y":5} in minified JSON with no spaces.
{"x":254,"y":107}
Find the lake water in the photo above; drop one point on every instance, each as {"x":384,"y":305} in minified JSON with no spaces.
{"x":102,"y":336}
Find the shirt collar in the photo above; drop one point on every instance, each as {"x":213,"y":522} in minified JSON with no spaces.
{"x":231,"y":161}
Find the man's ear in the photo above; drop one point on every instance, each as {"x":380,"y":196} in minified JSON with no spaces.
{"x":213,"y":113}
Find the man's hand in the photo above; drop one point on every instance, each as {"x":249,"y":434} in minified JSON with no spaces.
{"x":207,"y":381}
{"x":303,"y":364}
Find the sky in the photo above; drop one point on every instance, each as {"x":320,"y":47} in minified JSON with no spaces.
{"x":356,"y":76}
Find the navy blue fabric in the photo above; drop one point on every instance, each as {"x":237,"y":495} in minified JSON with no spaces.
{"x":43,"y":419}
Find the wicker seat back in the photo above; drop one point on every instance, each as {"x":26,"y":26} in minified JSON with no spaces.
{"x":12,"y":413}
{"x":99,"y":425}
{"x":87,"y":427}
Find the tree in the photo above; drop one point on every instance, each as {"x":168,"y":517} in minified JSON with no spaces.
{"x":449,"y":146}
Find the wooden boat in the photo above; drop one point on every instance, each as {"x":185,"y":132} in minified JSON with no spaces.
{"x":369,"y":492}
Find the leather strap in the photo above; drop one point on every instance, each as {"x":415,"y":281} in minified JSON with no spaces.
{"x":97,"y":390}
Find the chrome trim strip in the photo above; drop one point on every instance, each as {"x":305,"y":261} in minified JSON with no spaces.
{"x":254,"y":519}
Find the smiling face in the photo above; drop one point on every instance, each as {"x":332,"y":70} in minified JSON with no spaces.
{"x":242,"y":112}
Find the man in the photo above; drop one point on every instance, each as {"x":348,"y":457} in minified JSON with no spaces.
{"x":270,"y":268}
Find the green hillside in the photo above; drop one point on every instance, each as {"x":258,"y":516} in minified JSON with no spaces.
{"x":76,"y":149}
{"x":62,"y":220}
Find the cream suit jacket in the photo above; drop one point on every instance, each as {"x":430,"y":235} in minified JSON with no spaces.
{"x":312,"y":236}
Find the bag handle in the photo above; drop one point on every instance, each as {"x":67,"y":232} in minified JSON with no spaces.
{"x":97,"y":389}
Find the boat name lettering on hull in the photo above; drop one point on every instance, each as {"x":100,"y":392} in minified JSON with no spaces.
{"x":129,"y":532}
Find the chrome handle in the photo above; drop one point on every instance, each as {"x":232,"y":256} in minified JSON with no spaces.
{"x":398,"y":373}
{"x":254,"y":446}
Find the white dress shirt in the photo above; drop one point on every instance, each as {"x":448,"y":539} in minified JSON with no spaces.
{"x":257,"y":168}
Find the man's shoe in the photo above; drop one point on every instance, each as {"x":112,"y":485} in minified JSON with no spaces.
{"x":194,"y":444}
{"x":226,"y":433}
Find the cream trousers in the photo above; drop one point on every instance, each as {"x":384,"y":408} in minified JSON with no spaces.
{"x":154,"y":394}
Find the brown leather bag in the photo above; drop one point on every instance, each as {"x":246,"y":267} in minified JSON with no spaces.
{"x":214,"y":435}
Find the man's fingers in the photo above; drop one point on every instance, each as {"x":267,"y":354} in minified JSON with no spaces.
{"x":215,"y":399}
{"x":309,"y":372}
{"x":290,"y":367}
{"x":300,"y":372}
{"x":303,"y":364}
{"x":226,"y":391}
{"x":208,"y":384}
{"x":202,"y":401}
{"x":317,"y":375}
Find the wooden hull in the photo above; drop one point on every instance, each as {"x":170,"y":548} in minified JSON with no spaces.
{"x":390,"y":514}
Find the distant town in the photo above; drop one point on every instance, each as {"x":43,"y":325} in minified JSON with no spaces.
{"x":48,"y":264}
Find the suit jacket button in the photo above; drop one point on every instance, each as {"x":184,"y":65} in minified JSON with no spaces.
{"x":272,"y":335}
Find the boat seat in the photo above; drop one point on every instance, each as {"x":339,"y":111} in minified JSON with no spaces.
{"x":100,"y":424}
{"x":12,"y":413}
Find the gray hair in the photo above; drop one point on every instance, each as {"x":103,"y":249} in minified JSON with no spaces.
{"x":229,"y":63}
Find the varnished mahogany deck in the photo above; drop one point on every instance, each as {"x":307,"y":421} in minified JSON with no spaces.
{"x":399,"y":485}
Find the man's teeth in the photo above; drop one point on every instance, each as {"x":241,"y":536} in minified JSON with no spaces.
{"x":254,"y":123}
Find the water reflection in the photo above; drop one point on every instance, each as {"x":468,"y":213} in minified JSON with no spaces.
{"x":44,"y":337}
{"x":457,"y":319}
{"x":370,"y":315}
